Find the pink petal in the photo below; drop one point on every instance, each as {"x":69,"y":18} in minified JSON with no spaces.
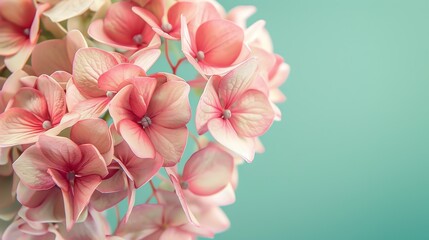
{"x":252,"y":114}
{"x":223,"y":131}
{"x":219,"y":50}
{"x":22,"y":16}
{"x":115,"y":181}
{"x":73,"y":96}
{"x":169,"y":143}
{"x":17,"y":61}
{"x":103,"y":201}
{"x":120,"y":108}
{"x":50,"y":56}
{"x":68,"y":209}
{"x":112,"y":79}
{"x":178,"y":189}
{"x":209,"y":106}
{"x":142,"y":94}
{"x":55,"y":97}
{"x":145,"y":58}
{"x":18,"y":126}
{"x":170,"y":99}
{"x":61,"y":151}
{"x":208,"y":171}
{"x":131,"y":201}
{"x":88,"y":65}
{"x":92,"y":162}
{"x":33,"y":101}
{"x":74,"y":41}
{"x":91,"y":108}
{"x":138,"y":140}
{"x":236,"y":82}
{"x":96,"y":31}
{"x":95,"y":132}
{"x":83,"y":189}
{"x":11,"y":39}
{"x":31,"y":167}
{"x":59,"y":179}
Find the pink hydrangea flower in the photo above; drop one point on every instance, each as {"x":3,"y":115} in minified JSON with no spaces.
{"x":122,"y":28}
{"x":151,"y":116}
{"x":33,"y":111}
{"x":209,"y":51}
{"x":233,"y":113}
{"x":19,"y":31}
{"x":58,"y":162}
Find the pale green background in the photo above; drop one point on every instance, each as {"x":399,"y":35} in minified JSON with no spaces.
{"x":350,"y":160}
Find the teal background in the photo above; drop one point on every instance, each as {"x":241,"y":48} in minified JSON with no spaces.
{"x":350,"y":160}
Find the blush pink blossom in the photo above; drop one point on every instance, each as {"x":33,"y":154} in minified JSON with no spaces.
{"x":33,"y":111}
{"x":233,"y":113}
{"x":151,"y":116}
{"x":122,"y":28}
{"x":19,"y":31}
{"x":58,"y":162}
{"x":209,"y":51}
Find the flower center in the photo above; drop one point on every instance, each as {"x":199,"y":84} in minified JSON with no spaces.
{"x":110,"y":94}
{"x":71,"y":176}
{"x":184,"y":185}
{"x":47,"y":125}
{"x":226,"y":114}
{"x":138,"y":39}
{"x":27,"y":31}
{"x":145,"y":122}
{"x":200,"y":55}
{"x":166,"y":27}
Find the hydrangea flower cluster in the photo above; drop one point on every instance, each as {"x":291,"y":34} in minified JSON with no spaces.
{"x":84,"y":124}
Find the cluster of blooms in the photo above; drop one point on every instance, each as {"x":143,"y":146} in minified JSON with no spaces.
{"x":83,"y":125}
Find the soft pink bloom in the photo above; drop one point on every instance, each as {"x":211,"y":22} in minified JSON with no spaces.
{"x":58,"y":162}
{"x":19,"y":31}
{"x":151,"y":115}
{"x":64,"y":9}
{"x":168,"y":26}
{"x":98,"y":75}
{"x":57,"y":54}
{"x":33,"y":111}
{"x":232,"y":112}
{"x":209,"y":51}
{"x":122,"y":28}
